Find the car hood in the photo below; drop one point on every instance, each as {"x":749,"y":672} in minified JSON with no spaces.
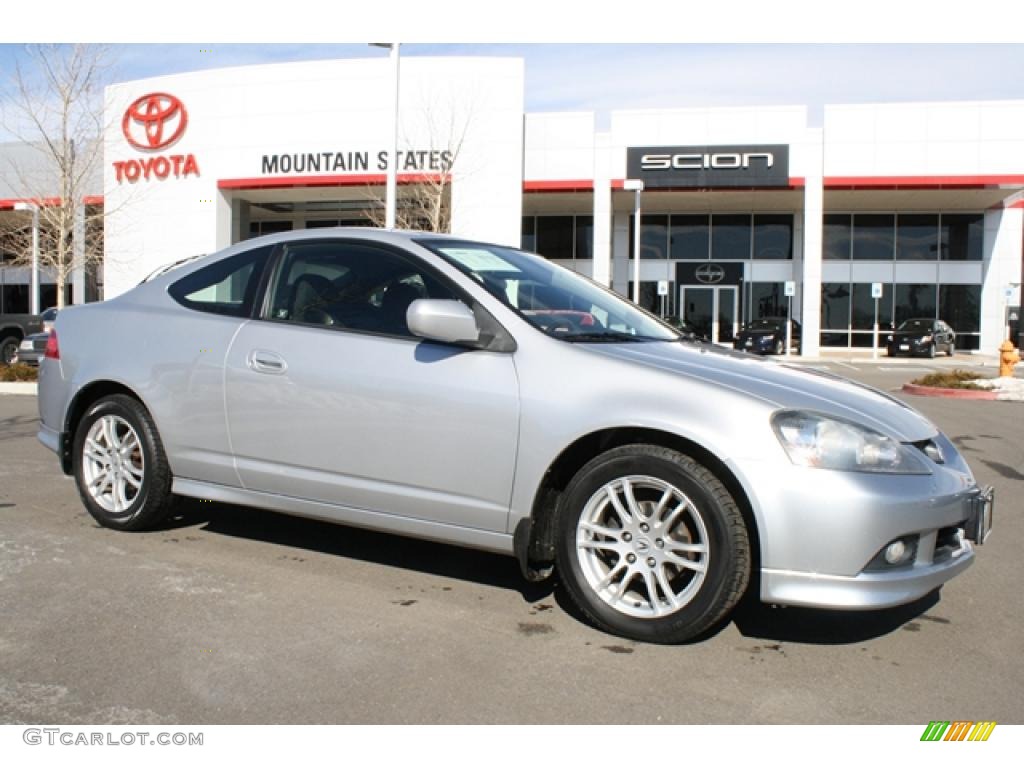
{"x":776,"y":384}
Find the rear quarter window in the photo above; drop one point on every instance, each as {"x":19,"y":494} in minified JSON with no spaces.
{"x":227,"y":287}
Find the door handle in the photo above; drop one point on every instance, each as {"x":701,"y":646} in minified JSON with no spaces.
{"x":263,"y":361}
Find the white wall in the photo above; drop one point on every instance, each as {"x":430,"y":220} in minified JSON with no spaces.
{"x":924,"y":139}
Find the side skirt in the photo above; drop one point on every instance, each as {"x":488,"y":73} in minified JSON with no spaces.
{"x":500,"y":543}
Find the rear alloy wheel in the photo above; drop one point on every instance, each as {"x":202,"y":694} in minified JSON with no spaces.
{"x":122,"y":473}
{"x":651,"y":545}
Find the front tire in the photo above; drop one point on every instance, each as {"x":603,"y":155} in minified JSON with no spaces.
{"x":952,"y":349}
{"x":651,"y":545}
{"x":120,"y":467}
{"x":780,"y":347}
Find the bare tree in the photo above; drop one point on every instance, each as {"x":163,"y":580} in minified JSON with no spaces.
{"x":425,"y":202}
{"x":55,"y":107}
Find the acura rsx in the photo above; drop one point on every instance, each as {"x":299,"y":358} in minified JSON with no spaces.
{"x":474,"y":394}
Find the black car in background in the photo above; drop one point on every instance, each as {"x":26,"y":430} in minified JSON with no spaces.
{"x":922,"y":336}
{"x":767,"y":336}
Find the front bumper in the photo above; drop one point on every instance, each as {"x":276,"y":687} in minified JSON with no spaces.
{"x":823,"y":534}
{"x":862,"y":592}
{"x":908,"y":347}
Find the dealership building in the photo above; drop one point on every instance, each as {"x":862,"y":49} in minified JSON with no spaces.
{"x":907,"y":210}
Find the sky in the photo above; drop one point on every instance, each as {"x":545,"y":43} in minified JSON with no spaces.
{"x":791,"y":52}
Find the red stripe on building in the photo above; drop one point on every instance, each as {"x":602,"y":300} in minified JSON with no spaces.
{"x":350,"y":180}
{"x":923,"y":182}
{"x":559,"y":185}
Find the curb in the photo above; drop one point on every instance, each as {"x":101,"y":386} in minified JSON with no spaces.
{"x":955,"y":394}
{"x":19,"y":388}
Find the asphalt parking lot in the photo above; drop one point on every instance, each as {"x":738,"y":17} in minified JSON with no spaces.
{"x":235,"y":615}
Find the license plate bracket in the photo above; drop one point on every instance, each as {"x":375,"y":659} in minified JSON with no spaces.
{"x":979,"y":523}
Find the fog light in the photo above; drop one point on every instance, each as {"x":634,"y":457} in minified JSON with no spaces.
{"x":895,"y":552}
{"x":898,"y":553}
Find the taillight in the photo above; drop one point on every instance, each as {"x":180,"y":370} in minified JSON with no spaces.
{"x":52,"y":347}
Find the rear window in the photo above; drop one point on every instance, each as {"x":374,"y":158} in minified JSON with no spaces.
{"x":227,"y":287}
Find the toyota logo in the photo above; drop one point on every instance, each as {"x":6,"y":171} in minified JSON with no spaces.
{"x":154,"y":121}
{"x":709,"y":274}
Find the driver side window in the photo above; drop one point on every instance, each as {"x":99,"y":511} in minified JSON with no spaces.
{"x":349,"y":286}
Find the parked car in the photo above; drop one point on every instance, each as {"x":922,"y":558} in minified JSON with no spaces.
{"x":767,"y":336}
{"x":922,"y":336}
{"x":13,"y":329}
{"x":398,"y":381}
{"x":32,"y":349}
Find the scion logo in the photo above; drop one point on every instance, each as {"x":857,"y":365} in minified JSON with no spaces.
{"x":154,"y":121}
{"x":709,"y":274}
{"x":706,"y":166}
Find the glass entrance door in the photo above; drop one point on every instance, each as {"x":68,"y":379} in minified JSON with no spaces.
{"x":713,"y":312}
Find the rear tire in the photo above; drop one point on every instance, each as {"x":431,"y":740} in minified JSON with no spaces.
{"x":120,"y":467}
{"x":8,"y":348}
{"x":651,"y":545}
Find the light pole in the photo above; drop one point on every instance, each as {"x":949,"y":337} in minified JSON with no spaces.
{"x":391,"y":188}
{"x":636,"y":186}
{"x":33,"y":297}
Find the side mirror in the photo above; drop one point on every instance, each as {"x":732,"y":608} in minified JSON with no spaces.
{"x":442,"y":320}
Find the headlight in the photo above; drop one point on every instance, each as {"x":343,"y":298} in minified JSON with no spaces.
{"x":925,"y":340}
{"x":813,"y":440}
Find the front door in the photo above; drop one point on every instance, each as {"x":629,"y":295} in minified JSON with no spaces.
{"x":712,"y":311}
{"x":331,"y":399}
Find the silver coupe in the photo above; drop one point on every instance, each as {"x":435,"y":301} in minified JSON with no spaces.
{"x":474,"y":394}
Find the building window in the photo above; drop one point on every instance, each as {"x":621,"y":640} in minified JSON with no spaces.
{"x":917,"y":237}
{"x":863,"y":307}
{"x":730,"y":237}
{"x":257,"y":228}
{"x":960,"y":307}
{"x":554,"y":237}
{"x":837,"y":238}
{"x":584,"y":238}
{"x":914,"y":300}
{"x":653,"y":236}
{"x":689,"y":237}
{"x":528,"y":235}
{"x":962,"y":237}
{"x":835,"y":314}
{"x":766,"y":300}
{"x":568,"y":238}
{"x":874,"y":237}
{"x":773,"y":237}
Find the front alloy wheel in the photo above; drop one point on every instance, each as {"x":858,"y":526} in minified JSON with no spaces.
{"x":651,"y":545}
{"x":642,"y":546}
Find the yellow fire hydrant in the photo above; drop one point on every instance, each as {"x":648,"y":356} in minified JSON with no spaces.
{"x":1008,"y":357}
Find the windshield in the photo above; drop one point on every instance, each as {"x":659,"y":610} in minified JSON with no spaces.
{"x":915,"y":325}
{"x":553,"y":299}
